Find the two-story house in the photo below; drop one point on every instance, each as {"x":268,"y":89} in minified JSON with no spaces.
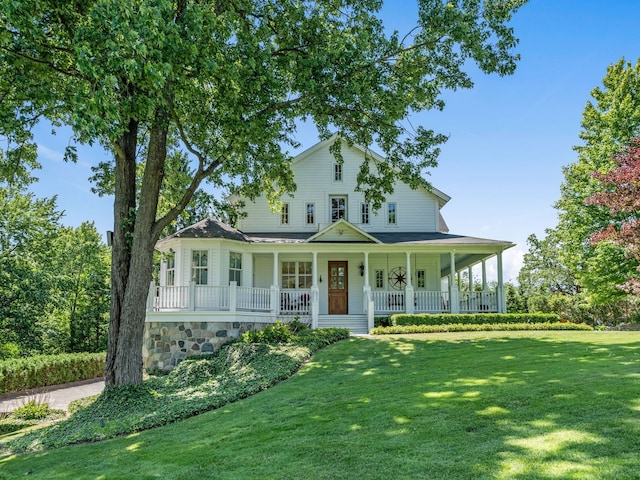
{"x":326,"y":258}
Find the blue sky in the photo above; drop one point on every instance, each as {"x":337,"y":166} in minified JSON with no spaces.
{"x":509,"y":137}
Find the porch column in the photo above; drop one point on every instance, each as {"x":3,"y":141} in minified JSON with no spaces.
{"x":484,"y":275}
{"x":470,"y":273}
{"x":151,"y":296}
{"x":275,"y":268}
{"x":366,"y":269}
{"x":275,"y":291}
{"x":454,"y":301}
{"x":502,"y":301}
{"x":315,"y":291}
{"x":409,"y":306}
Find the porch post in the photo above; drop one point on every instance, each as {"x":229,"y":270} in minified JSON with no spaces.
{"x":484,"y":275}
{"x":275,"y":290}
{"x":409,"y":304}
{"x":315,"y":292}
{"x":366,"y":269}
{"x":192,"y":296}
{"x":233,"y":296}
{"x":502,"y":301}
{"x":454,"y":301}
{"x":151,"y":296}
{"x":470,"y":273}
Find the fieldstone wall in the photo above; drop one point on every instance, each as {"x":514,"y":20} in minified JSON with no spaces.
{"x":166,"y":344}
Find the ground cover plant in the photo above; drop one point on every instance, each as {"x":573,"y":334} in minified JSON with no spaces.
{"x":500,"y":405}
{"x":255,"y":362}
{"x":477,"y":327}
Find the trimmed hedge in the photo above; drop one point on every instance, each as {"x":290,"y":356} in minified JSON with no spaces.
{"x":17,"y":374}
{"x":471,"y":318}
{"x":477,"y":327}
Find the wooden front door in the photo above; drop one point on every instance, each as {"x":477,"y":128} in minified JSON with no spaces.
{"x":338,"y":288}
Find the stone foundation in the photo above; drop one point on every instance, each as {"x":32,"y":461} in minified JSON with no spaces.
{"x":166,"y":344}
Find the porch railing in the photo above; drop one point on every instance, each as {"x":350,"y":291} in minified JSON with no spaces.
{"x":431,"y":302}
{"x":388,"y":301}
{"x":210,"y":298}
{"x":472,"y":302}
{"x":295,"y":302}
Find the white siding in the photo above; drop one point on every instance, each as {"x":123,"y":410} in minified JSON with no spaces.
{"x":417,"y":210}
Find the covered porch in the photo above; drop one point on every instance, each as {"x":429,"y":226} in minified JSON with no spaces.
{"x":377,"y":282}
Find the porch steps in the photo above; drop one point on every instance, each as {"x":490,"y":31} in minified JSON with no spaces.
{"x":357,"y":324}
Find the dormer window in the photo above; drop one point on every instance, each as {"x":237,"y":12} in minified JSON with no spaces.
{"x":337,"y":172}
{"x":284,"y":214}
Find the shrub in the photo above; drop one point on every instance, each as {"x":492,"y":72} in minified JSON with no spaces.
{"x":471,"y":318}
{"x":18,"y":374}
{"x":478,"y":327}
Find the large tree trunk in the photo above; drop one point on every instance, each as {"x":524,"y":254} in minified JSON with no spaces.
{"x":132,"y":256}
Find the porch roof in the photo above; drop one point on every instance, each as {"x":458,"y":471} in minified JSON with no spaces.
{"x":213,"y":228}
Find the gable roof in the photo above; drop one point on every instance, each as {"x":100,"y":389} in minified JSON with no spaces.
{"x":442,"y":197}
{"x":335,"y":233}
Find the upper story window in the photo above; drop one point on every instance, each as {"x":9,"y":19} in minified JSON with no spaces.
{"x":364,"y":213}
{"x":171,"y":270}
{"x":311,"y":213}
{"x":284,"y":214}
{"x":338,"y":208}
{"x":337,"y":172}
{"x":235,"y":267}
{"x":200,"y":266}
{"x":392,"y":214}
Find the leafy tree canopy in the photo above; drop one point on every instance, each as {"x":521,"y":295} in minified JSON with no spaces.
{"x":610,"y":120}
{"x":227,"y":81}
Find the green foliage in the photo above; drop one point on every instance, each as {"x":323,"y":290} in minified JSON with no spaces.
{"x":278,"y":333}
{"x":610,"y":120}
{"x":235,"y":371}
{"x":18,"y":374}
{"x":34,"y":410}
{"x":400,"y":319}
{"x":478,"y":327}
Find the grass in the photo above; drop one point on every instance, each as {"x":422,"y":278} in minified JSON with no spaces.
{"x":515,"y":405}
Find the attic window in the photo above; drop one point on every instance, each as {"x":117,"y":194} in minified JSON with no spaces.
{"x":337,"y":172}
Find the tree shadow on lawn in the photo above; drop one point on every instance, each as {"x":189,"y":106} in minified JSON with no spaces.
{"x":503,"y":407}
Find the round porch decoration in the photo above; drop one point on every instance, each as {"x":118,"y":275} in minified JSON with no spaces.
{"x":398,"y":278}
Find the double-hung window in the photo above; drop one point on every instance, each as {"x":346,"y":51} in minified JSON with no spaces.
{"x":235,"y":267}
{"x":364,"y":213}
{"x":421,"y":279}
{"x":337,"y":172}
{"x":311,"y":213}
{"x":200,"y":266}
{"x":284,"y":214}
{"x":171,"y":270}
{"x":379,"y":280}
{"x":392,"y":213}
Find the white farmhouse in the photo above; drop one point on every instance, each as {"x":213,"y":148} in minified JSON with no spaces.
{"x":326,"y":258}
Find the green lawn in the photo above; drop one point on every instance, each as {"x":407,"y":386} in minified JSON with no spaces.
{"x":535,"y":405}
